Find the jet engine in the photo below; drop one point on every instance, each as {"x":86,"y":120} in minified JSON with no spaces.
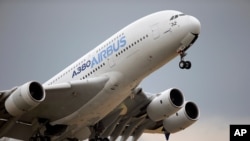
{"x":24,"y":98}
{"x":165,"y":104}
{"x":182,"y":119}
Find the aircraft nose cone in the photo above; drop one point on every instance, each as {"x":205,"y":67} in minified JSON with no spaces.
{"x":195,"y":25}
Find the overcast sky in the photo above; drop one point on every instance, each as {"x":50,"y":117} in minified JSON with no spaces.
{"x":39,"y":39}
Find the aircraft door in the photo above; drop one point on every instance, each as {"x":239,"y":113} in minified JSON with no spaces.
{"x":155,"y":31}
{"x":111,"y":61}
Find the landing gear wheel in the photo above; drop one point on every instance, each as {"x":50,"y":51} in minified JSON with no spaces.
{"x":40,"y":138}
{"x":105,"y":139}
{"x":188,"y":64}
{"x":72,"y":139}
{"x":32,"y":139}
{"x":182,"y":64}
{"x":99,"y":139}
{"x":185,"y":64}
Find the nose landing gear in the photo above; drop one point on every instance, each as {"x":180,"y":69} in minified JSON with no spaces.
{"x":184,"y":64}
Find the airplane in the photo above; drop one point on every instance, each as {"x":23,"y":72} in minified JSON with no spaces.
{"x":98,"y":97}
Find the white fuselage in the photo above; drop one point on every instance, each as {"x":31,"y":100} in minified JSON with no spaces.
{"x":126,"y":58}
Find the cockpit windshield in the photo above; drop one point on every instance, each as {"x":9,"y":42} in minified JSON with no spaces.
{"x":176,"y":16}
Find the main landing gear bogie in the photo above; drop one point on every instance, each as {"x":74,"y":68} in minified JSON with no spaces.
{"x":40,"y":138}
{"x":99,"y":139}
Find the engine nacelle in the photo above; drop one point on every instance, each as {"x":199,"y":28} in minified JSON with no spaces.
{"x":166,"y":104}
{"x":182,"y":119}
{"x":24,"y":98}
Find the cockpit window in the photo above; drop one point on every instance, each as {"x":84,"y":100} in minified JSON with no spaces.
{"x":176,"y":16}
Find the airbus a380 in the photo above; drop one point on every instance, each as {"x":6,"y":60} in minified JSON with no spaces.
{"x":98,"y":96}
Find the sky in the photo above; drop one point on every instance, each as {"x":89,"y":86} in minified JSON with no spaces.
{"x":40,"y":38}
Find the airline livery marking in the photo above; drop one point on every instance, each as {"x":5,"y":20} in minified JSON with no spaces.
{"x":105,"y":53}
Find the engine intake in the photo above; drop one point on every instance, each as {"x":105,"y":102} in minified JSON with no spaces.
{"x":166,"y":104}
{"x":24,"y":98}
{"x":182,"y":119}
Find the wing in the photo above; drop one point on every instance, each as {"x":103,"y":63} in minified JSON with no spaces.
{"x":59,"y":98}
{"x":164,"y":113}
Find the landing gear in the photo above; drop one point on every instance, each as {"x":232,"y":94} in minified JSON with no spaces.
{"x":72,"y":139}
{"x":97,"y":131}
{"x":99,"y":139}
{"x":43,"y":130}
{"x":184,"y":64}
{"x":39,"y":138}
